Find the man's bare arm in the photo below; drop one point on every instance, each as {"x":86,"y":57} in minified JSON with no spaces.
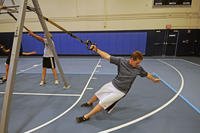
{"x":103,"y":54}
{"x":36,"y":36}
{"x":29,"y":53}
{"x":152,"y":78}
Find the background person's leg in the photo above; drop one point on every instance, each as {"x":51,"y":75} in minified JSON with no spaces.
{"x":44,"y":69}
{"x":55,"y":75}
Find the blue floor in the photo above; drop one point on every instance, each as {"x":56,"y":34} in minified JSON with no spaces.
{"x":51,"y":108}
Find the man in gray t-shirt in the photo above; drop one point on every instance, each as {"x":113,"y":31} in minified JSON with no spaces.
{"x":112,"y":92}
{"x":126,"y":73}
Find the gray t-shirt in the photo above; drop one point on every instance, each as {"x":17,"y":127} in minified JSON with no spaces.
{"x":126,"y":73}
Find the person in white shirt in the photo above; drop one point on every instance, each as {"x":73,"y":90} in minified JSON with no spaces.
{"x":48,"y":59}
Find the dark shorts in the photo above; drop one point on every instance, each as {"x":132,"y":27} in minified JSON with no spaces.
{"x":49,"y":62}
{"x":9,"y":57}
{"x":8,"y":60}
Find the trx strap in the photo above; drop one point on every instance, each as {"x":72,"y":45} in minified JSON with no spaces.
{"x":88,"y":43}
{"x":8,"y":9}
{"x":16,"y":20}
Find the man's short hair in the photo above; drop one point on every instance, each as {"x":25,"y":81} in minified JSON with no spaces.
{"x":137,"y":55}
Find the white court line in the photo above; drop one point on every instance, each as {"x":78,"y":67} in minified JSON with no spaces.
{"x":182,"y":60}
{"x":191,"y":62}
{"x":62,"y":114}
{"x":90,"y":88}
{"x":43,"y":94}
{"x":34,"y":66}
{"x":154,"y":111}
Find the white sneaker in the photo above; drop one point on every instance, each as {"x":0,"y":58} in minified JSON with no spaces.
{"x":56,"y":82}
{"x":42,"y":83}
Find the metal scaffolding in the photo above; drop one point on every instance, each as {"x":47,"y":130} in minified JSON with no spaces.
{"x":15,"y":55}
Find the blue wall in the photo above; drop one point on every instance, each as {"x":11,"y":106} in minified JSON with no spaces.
{"x":115,"y":43}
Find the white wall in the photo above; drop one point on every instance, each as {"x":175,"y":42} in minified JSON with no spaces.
{"x":98,"y":15}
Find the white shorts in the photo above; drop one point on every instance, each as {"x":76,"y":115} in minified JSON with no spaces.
{"x":108,"y":94}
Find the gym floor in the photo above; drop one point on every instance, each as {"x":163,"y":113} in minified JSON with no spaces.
{"x":52,"y":109}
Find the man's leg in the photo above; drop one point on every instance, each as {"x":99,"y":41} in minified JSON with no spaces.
{"x":95,"y":110}
{"x":90,"y":101}
{"x":87,"y":116}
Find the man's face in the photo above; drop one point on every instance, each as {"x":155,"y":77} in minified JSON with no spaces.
{"x":135,"y":63}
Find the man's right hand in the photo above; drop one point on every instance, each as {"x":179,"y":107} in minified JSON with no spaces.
{"x":93,"y":48}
